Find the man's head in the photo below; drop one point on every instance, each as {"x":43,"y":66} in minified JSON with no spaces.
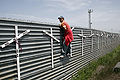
{"x":61,"y":19}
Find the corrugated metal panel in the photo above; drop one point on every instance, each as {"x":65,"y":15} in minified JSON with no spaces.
{"x":35,"y":56}
{"x":8,"y":54}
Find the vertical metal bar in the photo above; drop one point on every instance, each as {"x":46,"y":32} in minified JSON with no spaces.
{"x":91,"y":42}
{"x":71,"y":50}
{"x":98,"y":41}
{"x":101,"y":41}
{"x":105,"y":40}
{"x":71,"y":44}
{"x":17,"y":52}
{"x":52,"y":49}
{"x":82,"y":42}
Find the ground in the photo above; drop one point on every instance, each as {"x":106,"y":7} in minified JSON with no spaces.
{"x":110,"y":76}
{"x":113,"y":77}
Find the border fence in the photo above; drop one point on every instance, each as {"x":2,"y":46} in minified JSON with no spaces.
{"x":31,"y":50}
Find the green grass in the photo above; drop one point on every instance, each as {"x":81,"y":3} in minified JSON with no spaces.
{"x":108,"y":61}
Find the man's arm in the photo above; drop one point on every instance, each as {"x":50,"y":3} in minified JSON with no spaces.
{"x":64,"y":26}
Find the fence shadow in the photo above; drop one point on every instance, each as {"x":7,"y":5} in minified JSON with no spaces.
{"x":65,"y":60}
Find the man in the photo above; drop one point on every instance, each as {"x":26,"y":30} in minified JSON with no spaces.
{"x":67,"y":39}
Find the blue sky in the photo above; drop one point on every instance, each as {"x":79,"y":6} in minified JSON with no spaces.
{"x":105,"y":16}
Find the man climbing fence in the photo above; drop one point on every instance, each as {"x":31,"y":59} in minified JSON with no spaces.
{"x":67,"y":39}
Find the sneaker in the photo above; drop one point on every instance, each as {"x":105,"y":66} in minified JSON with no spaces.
{"x":61,"y":56}
{"x":69,"y":55}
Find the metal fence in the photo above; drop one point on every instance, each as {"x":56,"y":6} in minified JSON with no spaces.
{"x":31,"y":50}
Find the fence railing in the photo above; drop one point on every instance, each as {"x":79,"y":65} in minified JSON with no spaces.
{"x":31,"y":50}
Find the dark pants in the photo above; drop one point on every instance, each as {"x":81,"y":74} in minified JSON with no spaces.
{"x":66,"y":49}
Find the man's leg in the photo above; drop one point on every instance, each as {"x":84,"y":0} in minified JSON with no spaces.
{"x":68,"y":53}
{"x":66,"y":50}
{"x":64,"y":47}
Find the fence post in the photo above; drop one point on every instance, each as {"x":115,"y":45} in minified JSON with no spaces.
{"x":98,"y":40}
{"x":91,"y":42}
{"x":82,"y":42}
{"x":52,"y":49}
{"x":17,"y":52}
{"x":71,"y":44}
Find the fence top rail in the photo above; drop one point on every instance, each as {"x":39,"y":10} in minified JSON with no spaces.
{"x":4,"y":19}
{"x":35,"y":22}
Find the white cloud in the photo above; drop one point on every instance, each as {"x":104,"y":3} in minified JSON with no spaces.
{"x":106,"y":14}
{"x":70,"y":5}
{"x":106,"y":20}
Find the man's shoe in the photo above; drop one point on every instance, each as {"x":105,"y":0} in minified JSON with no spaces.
{"x":61,"y":56}
{"x":69,"y":55}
